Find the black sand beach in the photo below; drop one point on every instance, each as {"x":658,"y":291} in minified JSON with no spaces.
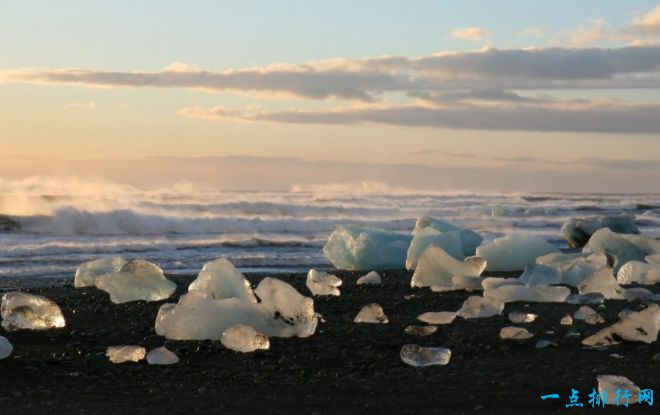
{"x":344,"y":368}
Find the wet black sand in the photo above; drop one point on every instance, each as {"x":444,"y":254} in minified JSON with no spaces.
{"x":343,"y":368}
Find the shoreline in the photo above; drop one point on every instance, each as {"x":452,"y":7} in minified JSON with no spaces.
{"x":343,"y":368}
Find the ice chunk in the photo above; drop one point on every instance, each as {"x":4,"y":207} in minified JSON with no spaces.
{"x":518,"y":317}
{"x":282,"y":312}
{"x":244,"y":339}
{"x":420,"y":331}
{"x":515,"y":333}
{"x":414,"y":355}
{"x":574,"y":268}
{"x":469,"y":239}
{"x":478,"y":307}
{"x":513,"y":252}
{"x":567,"y":320}
{"x":371,"y":313}
{"x":220,"y":279}
{"x":613,"y":386}
{"x":603,"y":282}
{"x":535,"y":274}
{"x":593,"y":298}
{"x":537,"y":293}
{"x":583,"y":312}
{"x":323,"y":284}
{"x":136,"y":280}
{"x":542,"y":344}
{"x":638,"y":293}
{"x":372,"y":278}
{"x":162,"y":356}
{"x":361,"y":248}
{"x":440,"y":317}
{"x":641,"y":326}
{"x":578,"y":231}
{"x":621,"y":247}
{"x":123,"y":354}
{"x":5,"y":348}
{"x":491,"y":283}
{"x":87,"y":271}
{"x":638,"y":272}
{"x":653,"y":259}
{"x":27,"y":311}
{"x":436,"y":267}
{"x":594,"y":319}
{"x":450,"y":242}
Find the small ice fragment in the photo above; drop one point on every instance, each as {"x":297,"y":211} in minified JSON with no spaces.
{"x":123,"y":354}
{"x":478,"y":307}
{"x":244,"y":339}
{"x":519,"y":317}
{"x":608,"y":385}
{"x":513,"y":252}
{"x":5,"y":348}
{"x":642,"y":326}
{"x":592,"y":298}
{"x":371,"y":313}
{"x":542,"y":344}
{"x":440,"y":317}
{"x":583,"y":312}
{"x":87,"y":271}
{"x":414,"y":355}
{"x":594,"y":319}
{"x":136,"y":280}
{"x":515,"y":333}
{"x":219,"y":279}
{"x":323,"y":284}
{"x":567,"y":320}
{"x":372,"y":278}
{"x":356,"y":248}
{"x":27,"y":311}
{"x":616,"y":356}
{"x":573,"y":333}
{"x":420,"y":331}
{"x":162,"y":356}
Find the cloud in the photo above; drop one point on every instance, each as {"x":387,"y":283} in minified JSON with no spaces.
{"x":647,"y":24}
{"x":367,"y":79}
{"x":567,"y":117}
{"x":475,"y":34}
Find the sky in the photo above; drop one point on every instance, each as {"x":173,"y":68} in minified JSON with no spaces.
{"x":501,"y":96}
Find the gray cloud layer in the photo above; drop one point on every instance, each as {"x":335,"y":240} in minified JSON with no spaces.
{"x":632,"y":119}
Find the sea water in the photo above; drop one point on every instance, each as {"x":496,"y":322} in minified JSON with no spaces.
{"x":265,"y":231}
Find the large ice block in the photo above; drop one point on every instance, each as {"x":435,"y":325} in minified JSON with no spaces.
{"x":88,"y":271}
{"x":361,"y":248}
{"x":513,"y":252}
{"x":437,"y":268}
{"x":578,"y":231}
{"x":574,"y":268}
{"x":621,"y":247}
{"x":638,"y":272}
{"x":470,"y":240}
{"x":136,"y":280}
{"x":27,"y":311}
{"x":282,"y":312}
{"x":220,"y":279}
{"x":603,"y":282}
{"x":450,"y":242}
{"x":642,"y":326}
{"x":531,"y":293}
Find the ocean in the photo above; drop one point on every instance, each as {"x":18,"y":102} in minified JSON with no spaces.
{"x":265,"y":232}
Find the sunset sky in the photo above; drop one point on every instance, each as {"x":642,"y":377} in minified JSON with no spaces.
{"x":439,"y":95}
